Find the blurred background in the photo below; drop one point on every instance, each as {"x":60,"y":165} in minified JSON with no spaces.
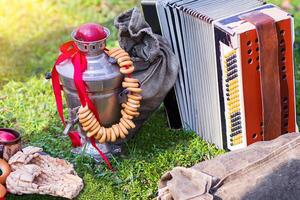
{"x":32,"y":30}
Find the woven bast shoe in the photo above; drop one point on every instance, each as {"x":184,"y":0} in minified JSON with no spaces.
{"x":34,"y":173}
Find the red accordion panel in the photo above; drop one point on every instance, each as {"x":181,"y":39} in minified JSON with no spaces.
{"x":251,"y":81}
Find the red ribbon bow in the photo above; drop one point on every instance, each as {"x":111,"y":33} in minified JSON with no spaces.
{"x":69,"y":50}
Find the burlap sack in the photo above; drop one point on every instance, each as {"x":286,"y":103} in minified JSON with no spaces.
{"x":156,"y":66}
{"x":264,"y":170}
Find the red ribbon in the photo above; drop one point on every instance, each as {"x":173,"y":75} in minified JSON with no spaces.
{"x":69,"y":50}
{"x":101,"y":154}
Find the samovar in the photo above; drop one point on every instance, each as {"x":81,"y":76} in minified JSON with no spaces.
{"x":103,"y":83}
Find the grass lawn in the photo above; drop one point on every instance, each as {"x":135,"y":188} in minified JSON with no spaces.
{"x":30,"y":34}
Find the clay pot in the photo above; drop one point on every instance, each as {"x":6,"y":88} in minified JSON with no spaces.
{"x":10,"y":143}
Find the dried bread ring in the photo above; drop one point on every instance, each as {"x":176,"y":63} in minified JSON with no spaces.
{"x":136,"y":90}
{"x":129,"y":122}
{"x":132,"y":105}
{"x":84,"y":115}
{"x":124,"y":105}
{"x":127,"y":84}
{"x":122,"y":135}
{"x":113,"y":136}
{"x":82,"y":120}
{"x":114,"y":50}
{"x":83,"y":109}
{"x":133,"y":101}
{"x":126,"y":63}
{"x":87,"y":128}
{"x":135,"y":96}
{"x":116,"y":130}
{"x":114,"y":54}
{"x":132,"y":113}
{"x":94,"y":132}
{"x":108,"y":134}
{"x":131,"y":80}
{"x":88,"y":122}
{"x":94,"y":126}
{"x":124,"y":123}
{"x":121,"y":55}
{"x":123,"y":129}
{"x":103,"y":138}
{"x":125,"y":115}
{"x":99,"y":134}
{"x":129,"y":70}
{"x":122,"y":59}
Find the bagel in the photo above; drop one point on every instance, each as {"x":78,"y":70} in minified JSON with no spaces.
{"x":113,"y":136}
{"x":83,"y":120}
{"x":114,"y":50}
{"x":83,"y":109}
{"x":124,"y":105}
{"x":132,"y":105}
{"x":108,"y":134}
{"x":122,"y":59}
{"x":136,"y":90}
{"x":116,"y":130}
{"x":131,"y":113}
{"x":121,"y":55}
{"x":123,"y":129}
{"x":131,"y":80}
{"x":84,"y":115}
{"x":125,"y":115}
{"x":129,"y":122}
{"x":126,"y":63}
{"x":135,"y":96}
{"x":87,"y":128}
{"x":95,"y":126}
{"x":128,"y":84}
{"x":103,"y":138}
{"x":133,"y":101}
{"x":99,"y":134}
{"x":128,"y":70}
{"x":127,"y":126}
{"x":94,"y":132}
{"x":117,"y":52}
{"x":88,"y":122}
{"x":122,"y":135}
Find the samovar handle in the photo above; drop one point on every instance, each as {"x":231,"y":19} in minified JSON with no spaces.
{"x":72,"y":121}
{"x":48,"y":76}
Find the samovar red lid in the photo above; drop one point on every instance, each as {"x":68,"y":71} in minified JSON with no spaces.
{"x":90,"y":38}
{"x":90,"y":32}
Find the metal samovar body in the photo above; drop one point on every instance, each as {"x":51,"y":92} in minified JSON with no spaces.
{"x":103,"y":83}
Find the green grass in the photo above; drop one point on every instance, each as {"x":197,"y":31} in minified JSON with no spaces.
{"x":30,"y":108}
{"x":30,"y":34}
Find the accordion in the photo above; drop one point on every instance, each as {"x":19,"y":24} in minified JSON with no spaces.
{"x":236,"y":82}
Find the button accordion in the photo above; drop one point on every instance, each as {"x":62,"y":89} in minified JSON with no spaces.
{"x":236,"y":82}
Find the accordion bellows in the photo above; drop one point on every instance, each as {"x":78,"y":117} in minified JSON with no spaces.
{"x":236,"y":82}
